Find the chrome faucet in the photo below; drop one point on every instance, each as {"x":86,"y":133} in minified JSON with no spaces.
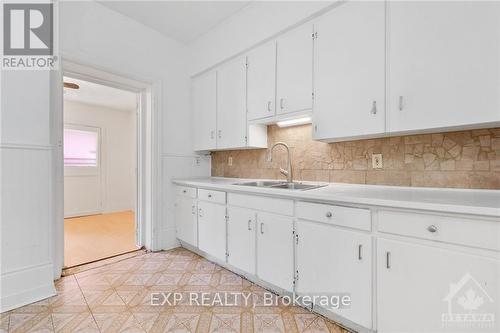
{"x":288,"y":172}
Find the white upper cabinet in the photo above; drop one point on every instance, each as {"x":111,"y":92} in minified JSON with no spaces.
{"x":231,"y":105}
{"x":349,"y":72}
{"x":205,"y":111}
{"x":444,"y":64}
{"x":294,"y":70}
{"x":261,"y":80}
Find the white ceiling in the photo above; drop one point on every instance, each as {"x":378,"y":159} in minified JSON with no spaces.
{"x":97,"y":94}
{"x":180,"y":20}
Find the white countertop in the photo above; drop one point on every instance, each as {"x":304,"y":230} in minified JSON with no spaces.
{"x":463,"y":201}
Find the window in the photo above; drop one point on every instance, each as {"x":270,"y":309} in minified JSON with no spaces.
{"x":80,"y":147}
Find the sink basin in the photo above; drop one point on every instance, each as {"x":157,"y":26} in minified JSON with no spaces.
{"x":282,"y":185}
{"x":298,"y":186}
{"x":261,"y":183}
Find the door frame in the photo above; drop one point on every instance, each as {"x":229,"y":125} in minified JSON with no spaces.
{"x":147,"y":150}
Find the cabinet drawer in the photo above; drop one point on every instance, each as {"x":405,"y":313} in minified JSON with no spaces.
{"x":357,"y":218}
{"x":185,"y":191}
{"x":212,"y":196}
{"x":263,"y":204}
{"x":458,"y":230}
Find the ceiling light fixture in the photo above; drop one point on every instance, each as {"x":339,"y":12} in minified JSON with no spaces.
{"x":294,"y":122}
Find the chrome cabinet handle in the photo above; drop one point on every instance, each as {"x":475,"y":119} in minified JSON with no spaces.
{"x":282,"y":101}
{"x":249,"y":225}
{"x":374,"y":107}
{"x":262,"y":228}
{"x":269,"y":106}
{"x":200,"y":212}
{"x":360,"y":254}
{"x":329,"y":214}
{"x":388,"y":260}
{"x":432,"y":228}
{"x":400,"y":103}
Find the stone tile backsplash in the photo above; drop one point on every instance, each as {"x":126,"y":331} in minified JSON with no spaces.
{"x":465,"y":159}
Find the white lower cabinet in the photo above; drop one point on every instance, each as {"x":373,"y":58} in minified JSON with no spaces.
{"x":275,"y":250}
{"x":420,"y":287}
{"x":336,"y":262}
{"x":186,"y":220}
{"x":241,"y":238}
{"x":212,"y":229}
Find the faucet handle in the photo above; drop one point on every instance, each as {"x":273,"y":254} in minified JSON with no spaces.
{"x":283,"y":171}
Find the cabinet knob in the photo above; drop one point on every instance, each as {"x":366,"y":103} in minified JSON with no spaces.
{"x":432,"y":228}
{"x":209,"y":195}
{"x":328,"y":214}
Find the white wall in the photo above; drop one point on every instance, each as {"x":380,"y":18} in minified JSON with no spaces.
{"x":26,"y":269}
{"x":118,"y":157}
{"x":255,"y":23}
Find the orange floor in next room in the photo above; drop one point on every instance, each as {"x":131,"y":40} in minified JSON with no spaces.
{"x":95,"y":237}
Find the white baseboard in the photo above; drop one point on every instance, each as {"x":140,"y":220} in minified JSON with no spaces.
{"x":25,"y":286}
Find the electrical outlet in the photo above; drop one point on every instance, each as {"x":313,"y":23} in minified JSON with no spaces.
{"x":377,"y":161}
{"x":230,"y":161}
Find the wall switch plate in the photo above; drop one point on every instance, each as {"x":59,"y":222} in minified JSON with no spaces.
{"x":230,"y":161}
{"x":377,"y":161}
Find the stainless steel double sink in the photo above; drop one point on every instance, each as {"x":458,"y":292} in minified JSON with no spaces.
{"x":298,"y":186}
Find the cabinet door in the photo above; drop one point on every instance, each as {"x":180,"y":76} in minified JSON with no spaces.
{"x":261,"y":80}
{"x":339,"y":262}
{"x":186,"y":220}
{"x":212,"y":229}
{"x":241,"y":239}
{"x":294,"y":70}
{"x":444,"y":64}
{"x":418,"y":286}
{"x":275,"y":250}
{"x":349,"y":71}
{"x":231,"y":105}
{"x":205,"y":111}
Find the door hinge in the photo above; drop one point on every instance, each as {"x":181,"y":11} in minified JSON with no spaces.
{"x":312,"y":95}
{"x":314,"y":35}
{"x":296,"y":277}
{"x":226,"y":217}
{"x":246,"y":139}
{"x":227,"y":254}
{"x":296,"y":238}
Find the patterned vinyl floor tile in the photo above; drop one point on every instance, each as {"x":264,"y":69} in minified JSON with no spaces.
{"x":117,"y":298}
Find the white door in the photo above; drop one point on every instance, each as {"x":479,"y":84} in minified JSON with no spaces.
{"x":349,"y":71}
{"x":205,"y":111}
{"x":82,"y":170}
{"x":444,"y":64}
{"x":261,"y":81}
{"x":186,"y":220}
{"x":241,"y":238}
{"x":231,"y":105}
{"x":339,"y":262}
{"x":414,"y":283}
{"x":275,"y":250}
{"x":212,"y":229}
{"x":294,"y":70}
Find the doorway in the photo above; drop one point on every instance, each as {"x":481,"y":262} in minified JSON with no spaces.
{"x":101,"y":158}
